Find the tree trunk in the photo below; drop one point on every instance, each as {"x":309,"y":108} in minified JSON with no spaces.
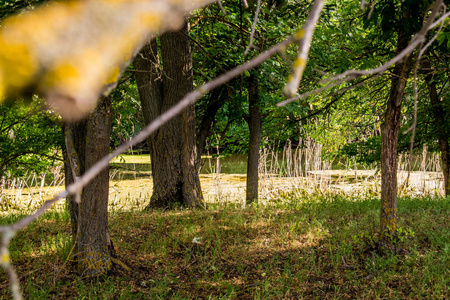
{"x":216,"y":100}
{"x":74,"y":167}
{"x":255,"y":125}
{"x":389,"y":136}
{"x":172,"y":147}
{"x":439,"y":118}
{"x":87,"y":142}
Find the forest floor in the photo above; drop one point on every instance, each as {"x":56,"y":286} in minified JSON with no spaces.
{"x":317,"y":246}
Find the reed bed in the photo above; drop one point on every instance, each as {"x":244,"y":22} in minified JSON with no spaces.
{"x":30,"y":192}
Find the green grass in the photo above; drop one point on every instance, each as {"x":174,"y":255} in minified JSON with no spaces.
{"x":288,"y":250}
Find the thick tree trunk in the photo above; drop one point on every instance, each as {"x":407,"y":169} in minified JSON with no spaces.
{"x":439,"y":118}
{"x":255,"y":126}
{"x":172,"y":147}
{"x":93,"y":252}
{"x":389,"y":137}
{"x":87,"y":142}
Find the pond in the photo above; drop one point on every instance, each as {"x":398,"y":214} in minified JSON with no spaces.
{"x":279,"y":164}
{"x":128,"y":166}
{"x":282,"y":164}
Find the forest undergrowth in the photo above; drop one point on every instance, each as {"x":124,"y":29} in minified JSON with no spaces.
{"x":313,"y":247}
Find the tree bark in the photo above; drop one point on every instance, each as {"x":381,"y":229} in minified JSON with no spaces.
{"x":172,"y":147}
{"x":439,"y":118}
{"x":87,"y":142}
{"x":389,"y":136}
{"x":255,"y":126}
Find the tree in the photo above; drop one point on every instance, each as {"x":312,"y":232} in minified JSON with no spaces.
{"x":440,"y":115}
{"x":30,"y":139}
{"x":411,"y":12}
{"x":87,"y":141}
{"x":172,"y":147}
{"x":389,"y":137}
{"x":254,"y":120}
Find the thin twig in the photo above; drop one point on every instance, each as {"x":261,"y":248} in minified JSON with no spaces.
{"x":440,"y":20}
{"x":345,"y":266}
{"x":304,"y":43}
{"x":5,"y":262}
{"x":436,"y":35}
{"x":219,"y":2}
{"x":252,"y":34}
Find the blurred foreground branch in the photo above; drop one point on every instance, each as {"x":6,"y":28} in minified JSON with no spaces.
{"x":71,"y":52}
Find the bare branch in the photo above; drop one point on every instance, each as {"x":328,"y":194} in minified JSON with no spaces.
{"x":440,"y":20}
{"x":252,"y":35}
{"x":54,"y":40}
{"x":435,"y":36}
{"x":304,"y":37}
{"x":5,"y":262}
{"x":219,"y":2}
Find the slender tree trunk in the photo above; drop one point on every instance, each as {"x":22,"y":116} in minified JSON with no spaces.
{"x":172,"y":147}
{"x":74,"y":135}
{"x":216,"y":99}
{"x":255,"y":126}
{"x":389,"y":136}
{"x":442,"y":133}
{"x":87,"y":142}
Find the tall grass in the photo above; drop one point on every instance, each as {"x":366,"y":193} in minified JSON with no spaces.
{"x":30,"y":192}
{"x":300,"y":170}
{"x":421,"y":174}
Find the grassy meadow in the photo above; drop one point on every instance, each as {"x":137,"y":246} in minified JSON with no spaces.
{"x":308,"y":241}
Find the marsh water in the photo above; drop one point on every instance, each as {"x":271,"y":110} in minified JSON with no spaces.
{"x":279,"y":163}
{"x":276,"y":164}
{"x":229,"y":164}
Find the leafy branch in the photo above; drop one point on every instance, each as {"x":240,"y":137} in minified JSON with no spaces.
{"x":348,"y":75}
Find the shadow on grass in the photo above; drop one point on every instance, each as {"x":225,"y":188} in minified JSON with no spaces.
{"x":317,"y":248}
